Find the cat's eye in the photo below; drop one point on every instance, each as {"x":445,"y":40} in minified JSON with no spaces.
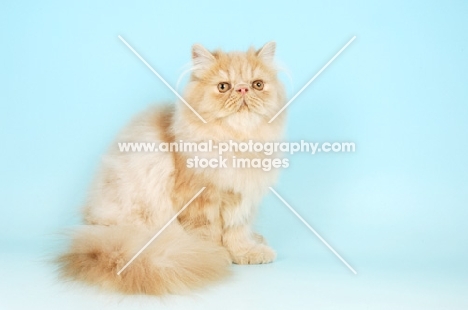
{"x":258,"y":85}
{"x":224,"y":87}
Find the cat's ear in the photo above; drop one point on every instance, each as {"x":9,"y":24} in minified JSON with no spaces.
{"x":267,"y":52}
{"x":202,"y":59}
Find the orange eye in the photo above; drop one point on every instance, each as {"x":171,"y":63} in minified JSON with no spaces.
{"x":224,"y":87}
{"x":258,"y":84}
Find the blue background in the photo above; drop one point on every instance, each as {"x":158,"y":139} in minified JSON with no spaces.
{"x":396,"y":209}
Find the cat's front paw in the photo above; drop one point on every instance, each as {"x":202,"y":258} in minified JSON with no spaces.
{"x":259,"y":254}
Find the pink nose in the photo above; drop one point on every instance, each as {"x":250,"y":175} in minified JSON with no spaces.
{"x":242,"y":90}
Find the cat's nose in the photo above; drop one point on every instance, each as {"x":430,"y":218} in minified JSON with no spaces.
{"x":242,"y":89}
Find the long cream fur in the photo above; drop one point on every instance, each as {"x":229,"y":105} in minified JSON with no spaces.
{"x":135,"y":194}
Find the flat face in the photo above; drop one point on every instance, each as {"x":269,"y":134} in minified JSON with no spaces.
{"x":226,"y":84}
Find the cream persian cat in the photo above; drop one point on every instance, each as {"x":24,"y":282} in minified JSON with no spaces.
{"x":135,"y":194}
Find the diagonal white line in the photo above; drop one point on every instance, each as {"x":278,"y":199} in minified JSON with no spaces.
{"x":312,"y":79}
{"x":313,"y":230}
{"x":161,"y":78}
{"x":160,"y":231}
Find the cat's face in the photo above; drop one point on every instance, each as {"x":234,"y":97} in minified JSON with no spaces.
{"x":237,"y":87}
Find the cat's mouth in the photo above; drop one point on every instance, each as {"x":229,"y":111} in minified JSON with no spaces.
{"x":243,"y":106}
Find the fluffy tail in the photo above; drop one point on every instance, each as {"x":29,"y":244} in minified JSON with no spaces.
{"x":174,"y":263}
